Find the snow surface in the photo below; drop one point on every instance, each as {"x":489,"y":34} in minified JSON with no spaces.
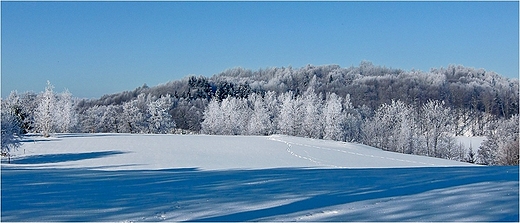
{"x":124,"y":177}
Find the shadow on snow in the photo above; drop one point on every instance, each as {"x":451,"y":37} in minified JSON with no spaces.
{"x":142,"y":195}
{"x":86,"y":135}
{"x":29,"y":138}
{"x":58,"y":158}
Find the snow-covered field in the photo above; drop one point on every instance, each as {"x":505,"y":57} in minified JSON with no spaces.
{"x":123,"y":177}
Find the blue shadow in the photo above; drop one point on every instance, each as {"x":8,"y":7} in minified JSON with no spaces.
{"x":58,"y":158}
{"x":44,"y":194}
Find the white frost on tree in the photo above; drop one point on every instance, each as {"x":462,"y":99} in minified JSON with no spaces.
{"x":111,"y":119}
{"x":501,"y":144}
{"x":333,"y":118}
{"x":159,"y":120}
{"x":393,"y":128}
{"x":213,"y":117}
{"x":132,"y":119}
{"x":92,"y":118}
{"x":236,"y":116}
{"x":273,"y":108}
{"x":289,"y":116}
{"x":437,"y":124}
{"x":312,"y":113}
{"x":45,"y":112}
{"x":229,"y":117}
{"x":259,"y":124}
{"x":11,"y":129}
{"x":65,"y":115}
{"x":352,"y":122}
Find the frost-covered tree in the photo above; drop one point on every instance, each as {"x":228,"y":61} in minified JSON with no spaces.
{"x":290,"y":115}
{"x":352,"y":122}
{"x":333,"y":118}
{"x":312,"y":113}
{"x":402,"y":137}
{"x":236,"y":114}
{"x":11,"y":128}
{"x":470,"y":157}
{"x":213,"y":118}
{"x":229,"y":117}
{"x":508,"y":142}
{"x":13,"y":105}
{"x":91,"y":120}
{"x":45,"y":112}
{"x":509,"y":155}
{"x":64,"y":115}
{"x":27,"y":105}
{"x":437,"y":125}
{"x":133,"y":119}
{"x":110,"y":121}
{"x":273,"y":109}
{"x":391,"y":128}
{"x":260,"y":122}
{"x":159,"y":120}
{"x":487,"y":152}
{"x":449,"y":149}
{"x":500,"y":146}
{"x":373,"y":131}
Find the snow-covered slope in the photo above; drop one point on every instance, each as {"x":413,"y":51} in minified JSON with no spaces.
{"x":123,"y":177}
{"x":126,"y":151}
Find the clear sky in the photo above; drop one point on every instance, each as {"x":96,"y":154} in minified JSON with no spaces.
{"x":97,"y":48}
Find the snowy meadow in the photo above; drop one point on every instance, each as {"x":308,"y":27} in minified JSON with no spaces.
{"x":164,"y":177}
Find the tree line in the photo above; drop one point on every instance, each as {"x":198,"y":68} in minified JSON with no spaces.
{"x":398,"y":127}
{"x":411,"y":112}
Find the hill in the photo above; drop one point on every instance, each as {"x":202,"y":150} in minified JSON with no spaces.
{"x":472,"y":94}
{"x":411,"y":112}
{"x":367,"y":84}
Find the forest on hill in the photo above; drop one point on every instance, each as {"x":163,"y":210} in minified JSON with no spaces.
{"x":411,"y":112}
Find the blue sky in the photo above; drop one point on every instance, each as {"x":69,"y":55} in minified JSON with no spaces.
{"x":96,"y":48}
